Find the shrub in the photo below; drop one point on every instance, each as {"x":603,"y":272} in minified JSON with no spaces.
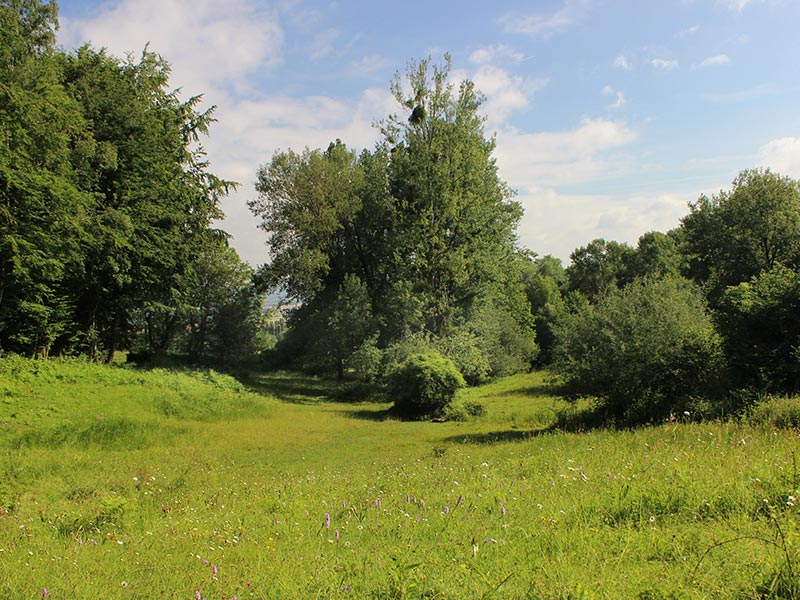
{"x":424,"y":385}
{"x":777,"y":412}
{"x":759,"y":320}
{"x":462,"y":348}
{"x":366,"y":360}
{"x":644,"y":351}
{"x":400,"y":350}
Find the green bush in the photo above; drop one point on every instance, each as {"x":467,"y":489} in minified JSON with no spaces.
{"x":644,"y":351}
{"x":424,"y":385}
{"x":366,"y":360}
{"x":759,"y":320}
{"x":777,"y":412}
{"x":462,"y":347}
{"x":400,"y":350}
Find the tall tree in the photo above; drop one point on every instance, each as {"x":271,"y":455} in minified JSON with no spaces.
{"x":423,"y":222}
{"x":153,"y":197}
{"x":41,"y":204}
{"x":455,"y":225}
{"x":598,"y":267}
{"x":735,"y":235}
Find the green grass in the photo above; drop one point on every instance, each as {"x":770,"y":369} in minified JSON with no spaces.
{"x":118,"y":483}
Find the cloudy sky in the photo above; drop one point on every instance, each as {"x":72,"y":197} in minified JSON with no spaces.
{"x":610,"y":115}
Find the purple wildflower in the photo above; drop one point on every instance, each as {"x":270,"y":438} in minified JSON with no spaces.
{"x":337,"y":535}
{"x":327,"y":521}
{"x":214,"y":570}
{"x":44,"y":592}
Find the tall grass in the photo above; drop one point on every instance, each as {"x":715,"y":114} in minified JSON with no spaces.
{"x":118,"y":483}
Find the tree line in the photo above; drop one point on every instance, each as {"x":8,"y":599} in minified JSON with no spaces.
{"x":402,"y":259}
{"x":408,"y":252}
{"x":106,"y":204}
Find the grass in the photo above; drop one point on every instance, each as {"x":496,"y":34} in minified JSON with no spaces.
{"x":118,"y":483}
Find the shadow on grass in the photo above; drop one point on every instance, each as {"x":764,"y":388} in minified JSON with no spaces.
{"x":496,"y":437}
{"x":565,"y":422}
{"x":368,"y":414}
{"x":294,"y":388}
{"x":543,"y":389}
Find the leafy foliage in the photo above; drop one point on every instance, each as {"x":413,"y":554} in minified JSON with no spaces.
{"x":424,"y":385}
{"x":734,"y":236}
{"x":422,"y":222}
{"x":760,"y":321}
{"x":105,"y":194}
{"x":644,"y":350}
{"x":598,"y":267}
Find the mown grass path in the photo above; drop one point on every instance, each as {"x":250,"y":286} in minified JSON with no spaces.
{"x":117,"y":483}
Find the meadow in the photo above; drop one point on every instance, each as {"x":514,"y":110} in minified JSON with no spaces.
{"x":125,"y":483}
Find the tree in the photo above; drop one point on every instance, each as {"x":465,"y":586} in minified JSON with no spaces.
{"x":544,"y":278}
{"x":644,"y":351}
{"x":222,"y":308}
{"x":598,"y":267}
{"x":350,"y":323}
{"x":153,"y":196}
{"x":657,"y":254}
{"x":41,"y":203}
{"x":735,"y":235}
{"x":422,"y":222}
{"x":455,"y":221}
{"x":760,"y":320}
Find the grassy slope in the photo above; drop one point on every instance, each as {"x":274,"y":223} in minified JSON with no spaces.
{"x":123,"y":484}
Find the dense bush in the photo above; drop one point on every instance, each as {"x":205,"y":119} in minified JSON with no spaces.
{"x":760,"y":321}
{"x":644,"y":351}
{"x":462,"y":347}
{"x":777,"y":412}
{"x":424,"y":385}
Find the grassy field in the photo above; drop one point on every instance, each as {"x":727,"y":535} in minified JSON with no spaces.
{"x":118,"y":483}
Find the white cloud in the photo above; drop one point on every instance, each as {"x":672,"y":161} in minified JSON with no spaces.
{"x":556,"y":223}
{"x":665,"y":64}
{"x":716,"y":61}
{"x":535,"y":161}
{"x":688,"y":31}
{"x":210,"y":45}
{"x":495,"y":53}
{"x":782,"y":155}
{"x":620,"y":96}
{"x":544,"y":26}
{"x":621,"y":62}
{"x":323,"y":42}
{"x":504,"y":92}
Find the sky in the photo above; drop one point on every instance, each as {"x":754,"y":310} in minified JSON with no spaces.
{"x":610,"y":116}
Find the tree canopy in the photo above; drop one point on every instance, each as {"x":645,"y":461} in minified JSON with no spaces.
{"x":106,"y":198}
{"x":422,"y":222}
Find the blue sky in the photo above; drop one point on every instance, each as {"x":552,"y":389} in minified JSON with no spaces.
{"x":610,"y":115}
